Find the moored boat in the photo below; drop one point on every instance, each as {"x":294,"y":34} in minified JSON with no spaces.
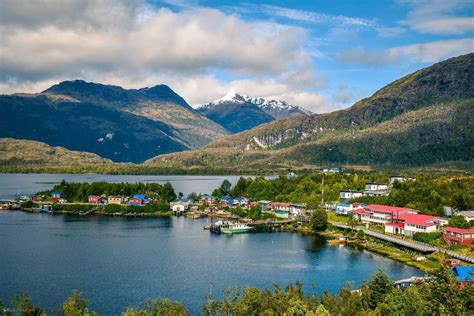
{"x":235,"y":228}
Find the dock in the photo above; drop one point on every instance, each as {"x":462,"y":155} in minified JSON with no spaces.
{"x":412,"y":244}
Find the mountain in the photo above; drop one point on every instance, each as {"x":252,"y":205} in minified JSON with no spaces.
{"x":119,"y":124}
{"x":16,"y":152}
{"x":158,"y":103}
{"x":238,"y":113}
{"x":423,"y":118}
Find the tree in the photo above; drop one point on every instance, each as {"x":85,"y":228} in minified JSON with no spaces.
{"x":225,"y":187}
{"x":319,"y":220}
{"x":360,"y":234}
{"x":378,"y":287}
{"x":322,"y":311}
{"x":22,"y":304}
{"x":76,"y":305}
{"x":459,"y":221}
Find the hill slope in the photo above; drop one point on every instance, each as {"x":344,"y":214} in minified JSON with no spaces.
{"x":423,"y":118}
{"x":119,"y":124}
{"x":238,"y":113}
{"x":15,"y":152}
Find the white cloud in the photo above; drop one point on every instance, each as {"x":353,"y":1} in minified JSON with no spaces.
{"x":390,"y":31}
{"x":416,"y":53}
{"x":132,"y":44}
{"x":440,"y":16}
{"x":343,"y":95}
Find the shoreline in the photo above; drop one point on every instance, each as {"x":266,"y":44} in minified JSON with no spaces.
{"x":429,"y":265}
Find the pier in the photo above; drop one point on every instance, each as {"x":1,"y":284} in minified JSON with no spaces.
{"x":412,"y":244}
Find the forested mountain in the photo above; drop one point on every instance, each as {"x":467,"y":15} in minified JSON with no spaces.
{"x":119,"y":124}
{"x":420,"y":119}
{"x":238,"y":113}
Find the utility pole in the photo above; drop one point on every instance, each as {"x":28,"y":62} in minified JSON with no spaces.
{"x":322,"y":190}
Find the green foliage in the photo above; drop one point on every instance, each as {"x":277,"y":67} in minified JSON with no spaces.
{"x":319,"y":220}
{"x":158,"y":307}
{"x":460,"y":222}
{"x":27,"y":204}
{"x":79,"y":192}
{"x":427,"y":237}
{"x":23,"y":306}
{"x":360,"y":234}
{"x":76,"y":305}
{"x":225,"y":187}
{"x":440,"y":295}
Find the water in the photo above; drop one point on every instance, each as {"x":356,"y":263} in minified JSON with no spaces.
{"x":12,"y":185}
{"x":118,"y":262}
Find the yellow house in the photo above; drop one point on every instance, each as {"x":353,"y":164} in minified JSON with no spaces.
{"x":115,"y":199}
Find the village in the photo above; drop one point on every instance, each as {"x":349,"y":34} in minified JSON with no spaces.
{"x":231,"y":215}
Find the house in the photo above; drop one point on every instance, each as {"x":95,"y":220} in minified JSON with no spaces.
{"x":178,"y":207}
{"x":464,"y":275}
{"x":55,"y":195}
{"x":95,"y":199}
{"x":282,"y":209}
{"x":297,"y":208}
{"x":264,"y":205}
{"x":344,"y":208}
{"x":350,"y":194}
{"x":139,"y":200}
{"x":207,"y":199}
{"x":410,"y":223}
{"x":468,"y":215}
{"x":186,"y":202}
{"x":458,"y":236}
{"x":394,"y":179}
{"x":376,"y":189}
{"x":380,"y":214}
{"x":115,"y":199}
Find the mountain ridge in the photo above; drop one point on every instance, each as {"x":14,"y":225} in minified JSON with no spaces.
{"x":449,"y":81}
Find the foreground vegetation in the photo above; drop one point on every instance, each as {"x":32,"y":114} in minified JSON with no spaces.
{"x":440,"y":295}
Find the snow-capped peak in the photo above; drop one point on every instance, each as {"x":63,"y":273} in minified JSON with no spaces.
{"x":263,"y":103}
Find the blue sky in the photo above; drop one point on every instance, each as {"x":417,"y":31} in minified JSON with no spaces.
{"x":322,"y":55}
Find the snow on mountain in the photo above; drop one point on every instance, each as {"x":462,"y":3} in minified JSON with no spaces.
{"x":276,"y":108}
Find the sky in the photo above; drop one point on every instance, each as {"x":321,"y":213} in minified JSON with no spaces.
{"x":321,"y":55}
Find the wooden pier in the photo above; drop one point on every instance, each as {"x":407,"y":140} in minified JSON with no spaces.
{"x":412,"y":244}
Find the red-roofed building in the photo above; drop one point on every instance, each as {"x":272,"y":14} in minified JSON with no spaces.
{"x":458,"y":236}
{"x":411,"y":223}
{"x":381,"y":214}
{"x":95,"y":199}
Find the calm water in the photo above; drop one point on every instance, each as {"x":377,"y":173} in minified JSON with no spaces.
{"x":12,"y":185}
{"x":118,"y":262}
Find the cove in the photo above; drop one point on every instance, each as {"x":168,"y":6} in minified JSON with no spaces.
{"x":119,"y":262}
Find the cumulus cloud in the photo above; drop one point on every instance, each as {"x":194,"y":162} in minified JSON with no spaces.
{"x":439,"y":16}
{"x":132,"y":44}
{"x":422,"y":53}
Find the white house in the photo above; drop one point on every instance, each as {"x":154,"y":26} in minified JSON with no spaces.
{"x":394,"y":179}
{"x":178,"y":207}
{"x":468,"y":215}
{"x":376,"y":189}
{"x":350,"y":194}
{"x":409,"y":223}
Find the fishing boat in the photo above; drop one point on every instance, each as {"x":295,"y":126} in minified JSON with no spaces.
{"x":235,"y":228}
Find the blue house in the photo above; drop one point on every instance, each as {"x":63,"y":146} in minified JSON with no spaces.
{"x":464,"y":275}
{"x":56,"y":195}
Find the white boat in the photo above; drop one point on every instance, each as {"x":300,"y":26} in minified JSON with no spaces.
{"x":235,"y":228}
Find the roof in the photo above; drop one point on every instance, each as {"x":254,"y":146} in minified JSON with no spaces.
{"x":459,"y":230}
{"x":55,"y":193}
{"x":351,"y":190}
{"x":418,"y":219}
{"x":395,"y":224}
{"x":361,"y":211}
{"x":281,"y":204}
{"x":464,"y":273}
{"x":466,"y":213}
{"x":115,"y":197}
{"x":386,"y":208}
{"x":95,"y":196}
{"x":140,"y":196}
{"x":264,"y":201}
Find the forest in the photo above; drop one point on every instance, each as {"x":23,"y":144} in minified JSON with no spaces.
{"x":428,"y":194}
{"x":79,"y":192}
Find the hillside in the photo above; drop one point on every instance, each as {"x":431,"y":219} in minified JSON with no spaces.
{"x":24,"y":153}
{"x":238,"y":113}
{"x":420,"y":119}
{"x":119,"y":124}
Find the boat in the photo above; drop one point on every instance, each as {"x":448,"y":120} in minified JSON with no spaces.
{"x":197,"y":215}
{"x":235,"y":228}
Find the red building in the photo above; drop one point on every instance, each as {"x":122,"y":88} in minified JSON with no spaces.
{"x":458,"y":236}
{"x":95,"y":199}
{"x":137,"y":201}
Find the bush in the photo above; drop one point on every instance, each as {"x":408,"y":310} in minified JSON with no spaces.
{"x":427,"y":237}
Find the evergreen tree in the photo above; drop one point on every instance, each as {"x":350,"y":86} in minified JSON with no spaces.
{"x":319,"y":220}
